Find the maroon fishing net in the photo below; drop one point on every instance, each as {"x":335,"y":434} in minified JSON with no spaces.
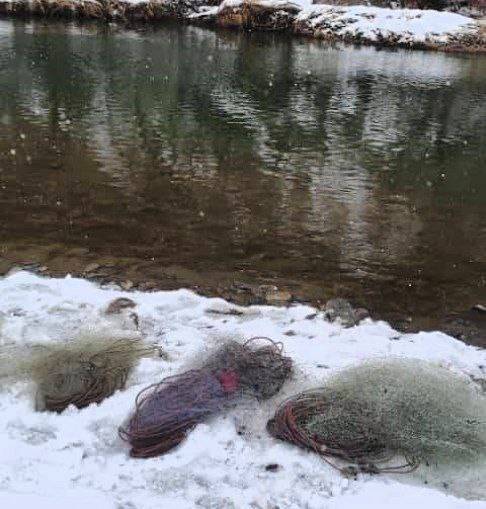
{"x":165,"y":412}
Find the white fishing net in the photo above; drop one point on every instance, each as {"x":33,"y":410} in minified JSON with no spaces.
{"x":408,"y":407}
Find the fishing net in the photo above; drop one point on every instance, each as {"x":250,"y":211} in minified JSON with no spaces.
{"x":371,"y":414}
{"x":167,"y":411}
{"x":82,"y":371}
{"x":261,"y":370}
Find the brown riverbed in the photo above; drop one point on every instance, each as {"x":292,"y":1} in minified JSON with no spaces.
{"x":223,"y":162}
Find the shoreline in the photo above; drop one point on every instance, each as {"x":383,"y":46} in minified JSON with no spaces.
{"x":465,"y":325}
{"x":358,"y":25}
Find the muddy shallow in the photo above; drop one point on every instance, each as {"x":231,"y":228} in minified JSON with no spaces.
{"x":223,"y":161}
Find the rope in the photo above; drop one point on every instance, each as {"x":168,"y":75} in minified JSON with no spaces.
{"x":289,"y":424}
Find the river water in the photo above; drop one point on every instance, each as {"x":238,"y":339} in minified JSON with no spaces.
{"x":181,"y":156}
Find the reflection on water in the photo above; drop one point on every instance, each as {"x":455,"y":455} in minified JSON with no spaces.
{"x":337,"y":170}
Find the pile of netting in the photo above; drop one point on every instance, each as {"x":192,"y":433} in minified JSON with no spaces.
{"x":387,"y":416}
{"x":165,"y":412}
{"x":79,"y":372}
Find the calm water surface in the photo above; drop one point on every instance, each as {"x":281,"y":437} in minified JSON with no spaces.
{"x":190,"y":157}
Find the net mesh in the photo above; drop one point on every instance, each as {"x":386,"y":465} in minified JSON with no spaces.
{"x":167,"y":411}
{"x":80,"y":372}
{"x":369,"y":414}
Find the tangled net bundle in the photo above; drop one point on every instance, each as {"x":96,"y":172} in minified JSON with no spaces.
{"x":261,"y":370}
{"x":165,"y":412}
{"x":81,"y":372}
{"x":370,"y":414}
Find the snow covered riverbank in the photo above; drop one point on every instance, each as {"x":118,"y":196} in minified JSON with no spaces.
{"x":361,"y":24}
{"x":76,"y":458}
{"x":412,"y":28}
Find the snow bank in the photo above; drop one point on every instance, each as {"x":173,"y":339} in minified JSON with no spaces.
{"x":356,"y":23}
{"x":374,"y":23}
{"x":76,"y":459}
{"x":365,"y":24}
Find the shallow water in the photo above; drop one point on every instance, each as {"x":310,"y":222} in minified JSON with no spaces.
{"x":184,"y":156}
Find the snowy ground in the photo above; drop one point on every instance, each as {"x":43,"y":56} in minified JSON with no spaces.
{"x":375,"y":23}
{"x":77,"y":460}
{"x":360,"y":22}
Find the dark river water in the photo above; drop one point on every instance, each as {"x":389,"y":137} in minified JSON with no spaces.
{"x":181,"y":156}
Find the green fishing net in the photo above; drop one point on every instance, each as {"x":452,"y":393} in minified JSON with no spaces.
{"x":407,"y":407}
{"x":78,"y":372}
